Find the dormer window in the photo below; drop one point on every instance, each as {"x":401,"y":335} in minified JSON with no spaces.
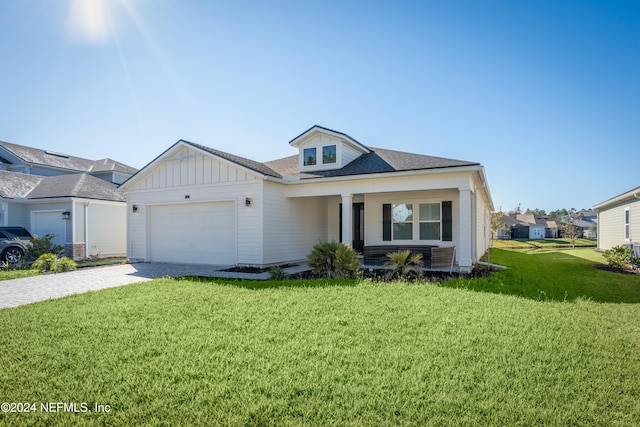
{"x":309,"y":156}
{"x":322,"y":149}
{"x":329,"y":154}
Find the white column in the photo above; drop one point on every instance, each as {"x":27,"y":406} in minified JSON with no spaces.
{"x":347,"y":220}
{"x":464,"y":250}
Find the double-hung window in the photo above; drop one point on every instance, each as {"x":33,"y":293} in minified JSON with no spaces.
{"x":429,"y":221}
{"x":402,"y":216}
{"x":627,"y":224}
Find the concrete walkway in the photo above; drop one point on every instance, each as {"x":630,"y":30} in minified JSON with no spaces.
{"x":39,"y":288}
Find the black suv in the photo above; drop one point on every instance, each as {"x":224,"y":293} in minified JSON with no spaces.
{"x":14,"y":242}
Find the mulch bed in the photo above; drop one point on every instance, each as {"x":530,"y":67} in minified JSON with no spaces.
{"x":606,"y":267}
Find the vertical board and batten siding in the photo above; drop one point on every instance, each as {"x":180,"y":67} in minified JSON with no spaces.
{"x":292,"y":226}
{"x":611,"y":226}
{"x":186,"y":176}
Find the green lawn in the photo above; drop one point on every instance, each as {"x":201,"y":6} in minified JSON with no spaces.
{"x":542,"y":243}
{"x":17,"y":274}
{"x":559,"y":275}
{"x":189,"y":352}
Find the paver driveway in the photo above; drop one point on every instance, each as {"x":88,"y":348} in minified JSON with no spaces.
{"x":39,"y":288}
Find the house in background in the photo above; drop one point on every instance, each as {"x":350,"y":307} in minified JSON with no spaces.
{"x":73,"y":198}
{"x":588,"y":223}
{"x":619,"y":221}
{"x":195,"y":204}
{"x":524,"y":226}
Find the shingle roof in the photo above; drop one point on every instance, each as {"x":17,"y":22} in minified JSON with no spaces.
{"x":262,"y":168}
{"x":64,"y":161}
{"x":18,"y":185}
{"x":377,"y":161}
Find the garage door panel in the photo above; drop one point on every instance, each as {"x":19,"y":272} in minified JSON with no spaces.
{"x":194,"y":233}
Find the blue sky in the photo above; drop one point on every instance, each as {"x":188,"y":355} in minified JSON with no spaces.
{"x":545,"y":94}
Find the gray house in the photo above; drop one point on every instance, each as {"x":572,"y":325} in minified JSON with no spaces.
{"x":619,"y":221}
{"x":73,"y":198}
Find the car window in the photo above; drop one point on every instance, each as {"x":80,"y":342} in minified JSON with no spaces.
{"x":2,"y":235}
{"x":18,"y":231}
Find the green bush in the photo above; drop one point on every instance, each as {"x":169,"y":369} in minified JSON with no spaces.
{"x":333,"y":259}
{"x":619,"y":256}
{"x":277,"y":273}
{"x":45,"y":262}
{"x":404,"y":262}
{"x":65,"y":264}
{"x":41,"y":246}
{"x":50,"y":262}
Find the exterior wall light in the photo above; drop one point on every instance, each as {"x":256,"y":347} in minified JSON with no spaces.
{"x":134,"y":208}
{"x":66,"y":215}
{"x":247,"y":201}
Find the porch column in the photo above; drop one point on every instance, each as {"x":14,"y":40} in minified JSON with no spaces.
{"x":347,"y":220}
{"x":464,"y":250}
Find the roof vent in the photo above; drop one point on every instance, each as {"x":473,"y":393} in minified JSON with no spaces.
{"x":53,"y":153}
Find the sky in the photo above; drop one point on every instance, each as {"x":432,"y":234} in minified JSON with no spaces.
{"x":544,"y":94}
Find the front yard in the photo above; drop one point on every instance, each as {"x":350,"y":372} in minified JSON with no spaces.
{"x":344,"y":352}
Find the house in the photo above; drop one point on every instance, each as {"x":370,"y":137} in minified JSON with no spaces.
{"x":523,"y":226}
{"x":619,"y":221}
{"x":588,"y":223}
{"x":195,"y":204}
{"x":73,"y":198}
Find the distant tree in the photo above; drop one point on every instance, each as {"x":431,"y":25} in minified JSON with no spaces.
{"x":569,"y":227}
{"x":496,"y":223}
{"x":538,"y":213}
{"x":558,"y":214}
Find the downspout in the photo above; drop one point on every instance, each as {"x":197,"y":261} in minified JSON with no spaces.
{"x":86,"y":230}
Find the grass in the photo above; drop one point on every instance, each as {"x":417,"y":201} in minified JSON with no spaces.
{"x":201,"y":352}
{"x":542,"y":243}
{"x":557,"y":275}
{"x":17,"y":274}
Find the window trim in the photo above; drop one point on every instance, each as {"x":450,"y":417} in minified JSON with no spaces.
{"x":315,"y":156}
{"x":445,"y":221}
{"x":335,"y":154}
{"x":627,"y":223}
{"x":394,"y":222}
{"x":438,"y":221}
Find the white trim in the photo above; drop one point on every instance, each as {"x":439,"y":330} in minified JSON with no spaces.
{"x":627,"y":225}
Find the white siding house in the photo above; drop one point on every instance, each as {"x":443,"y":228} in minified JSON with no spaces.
{"x":195,"y":204}
{"x":74,"y":199}
{"x":619,"y":220}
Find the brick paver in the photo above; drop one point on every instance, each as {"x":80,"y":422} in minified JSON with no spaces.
{"x":39,"y":288}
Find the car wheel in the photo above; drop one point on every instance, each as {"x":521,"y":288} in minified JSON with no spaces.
{"x":12,"y":255}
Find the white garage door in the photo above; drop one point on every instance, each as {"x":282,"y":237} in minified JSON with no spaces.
{"x":193,"y":233}
{"x":43,"y":223}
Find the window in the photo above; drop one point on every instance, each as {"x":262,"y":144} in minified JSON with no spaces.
{"x":429,"y":221}
{"x":329,"y":154}
{"x":627,"y":224}
{"x":309,"y":156}
{"x":402,"y":216}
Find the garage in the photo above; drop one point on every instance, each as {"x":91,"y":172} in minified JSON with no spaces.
{"x":49,"y":222}
{"x":193,"y":233}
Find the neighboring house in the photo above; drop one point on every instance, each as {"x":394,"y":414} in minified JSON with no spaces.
{"x":522,"y":226}
{"x":73,"y":198}
{"x":619,"y":221}
{"x":588,"y":223}
{"x":195,"y":204}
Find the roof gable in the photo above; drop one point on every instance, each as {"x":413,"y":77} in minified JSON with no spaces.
{"x":52,"y":159}
{"x":14,"y":185}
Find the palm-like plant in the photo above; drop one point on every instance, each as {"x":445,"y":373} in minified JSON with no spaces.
{"x":404,"y":262}
{"x":333,"y":259}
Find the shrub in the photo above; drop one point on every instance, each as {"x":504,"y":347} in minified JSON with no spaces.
{"x":50,"y":262}
{"x":45,"y":262}
{"x":41,"y":246}
{"x":619,"y":256}
{"x":277,"y":273}
{"x":333,"y":259}
{"x":404,"y":262}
